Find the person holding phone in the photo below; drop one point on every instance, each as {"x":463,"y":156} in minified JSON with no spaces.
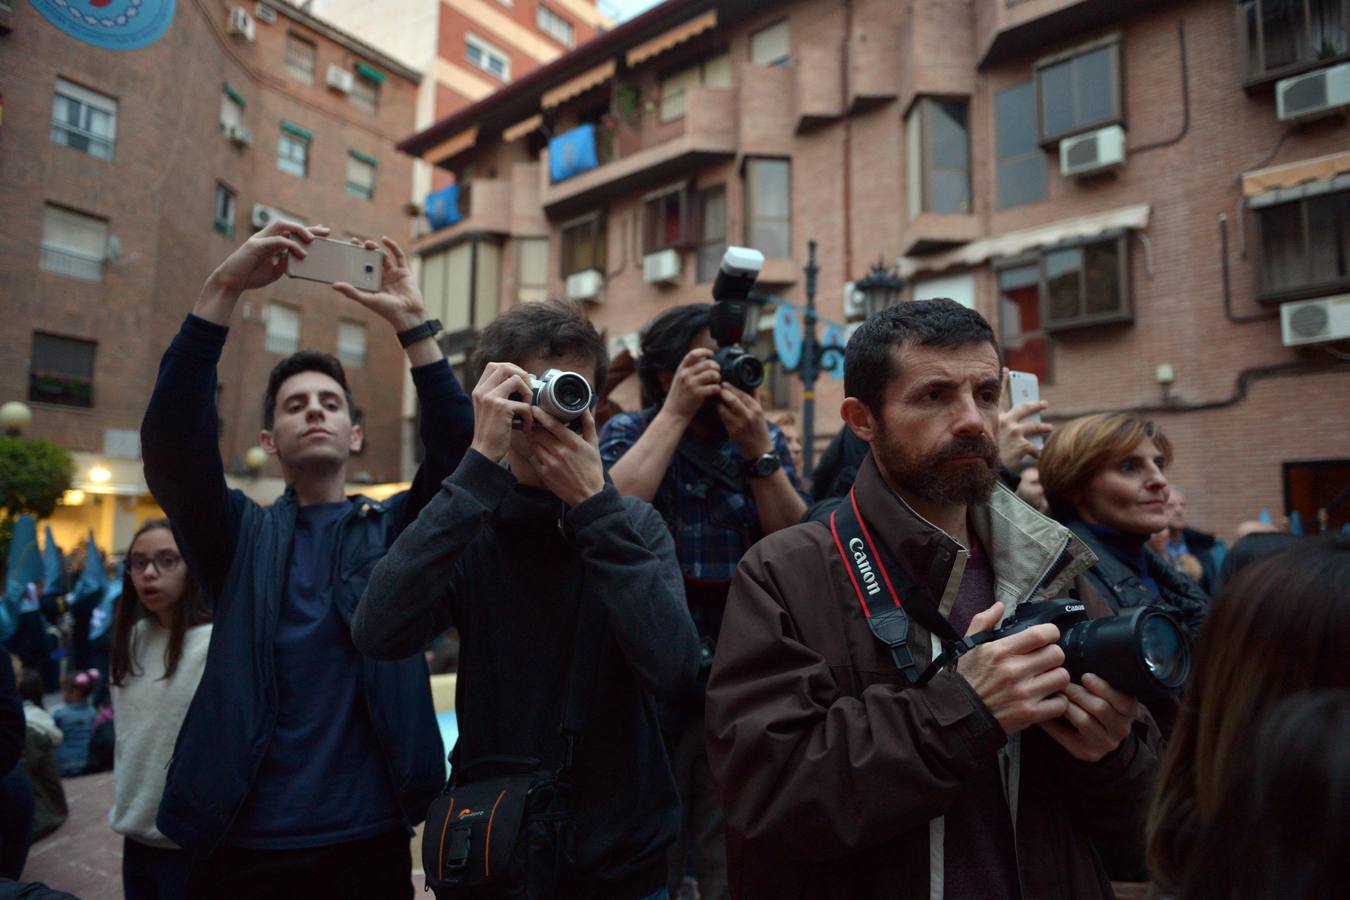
{"x":301,"y":767}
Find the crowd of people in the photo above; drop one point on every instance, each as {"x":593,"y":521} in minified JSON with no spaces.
{"x":949,"y":665}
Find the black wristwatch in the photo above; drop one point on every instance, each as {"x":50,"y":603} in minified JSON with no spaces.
{"x":429,"y":328}
{"x":762,"y":466}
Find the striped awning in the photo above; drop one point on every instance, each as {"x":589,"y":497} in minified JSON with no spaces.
{"x":1283,"y":178}
{"x":672,"y":38}
{"x":452,"y":146}
{"x":574,"y":87}
{"x":520,"y":129}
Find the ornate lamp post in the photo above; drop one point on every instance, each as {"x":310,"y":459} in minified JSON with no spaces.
{"x":881,"y":287}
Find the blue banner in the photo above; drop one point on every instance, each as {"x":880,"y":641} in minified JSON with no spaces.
{"x":110,"y":24}
{"x":52,"y":582}
{"x":443,"y":207}
{"x":102,"y":617}
{"x":25,"y":565}
{"x":93,"y":580}
{"x":572,"y":153}
{"x":787,"y":335}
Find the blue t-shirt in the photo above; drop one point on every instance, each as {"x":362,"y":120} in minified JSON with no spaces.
{"x":323,"y":779}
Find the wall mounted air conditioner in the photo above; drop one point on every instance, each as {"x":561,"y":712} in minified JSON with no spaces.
{"x":238,"y":134}
{"x":855,"y":304}
{"x":662,"y":267}
{"x":339,"y":79}
{"x":585,"y":285}
{"x":1096,"y":151}
{"x":264,"y":13}
{"x":264,"y":215}
{"x":241,"y":23}
{"x":1315,"y":321}
{"x":1312,"y":95}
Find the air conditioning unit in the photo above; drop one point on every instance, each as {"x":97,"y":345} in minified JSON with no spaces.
{"x":585,"y":285}
{"x":662,"y":267}
{"x":238,"y":134}
{"x":1314,"y":94}
{"x":339,"y":79}
{"x":264,"y":13}
{"x":265,"y":215}
{"x":855,"y":304}
{"x":1096,"y":151}
{"x":1315,"y":321}
{"x":242,"y":24}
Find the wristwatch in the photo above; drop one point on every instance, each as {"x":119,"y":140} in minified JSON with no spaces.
{"x":763,"y":466}
{"x":429,"y":328}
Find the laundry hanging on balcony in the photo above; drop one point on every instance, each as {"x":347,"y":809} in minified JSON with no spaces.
{"x":443,"y":207}
{"x":572,"y":153}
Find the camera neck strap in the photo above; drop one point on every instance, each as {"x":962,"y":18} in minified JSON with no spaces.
{"x":879,"y":584}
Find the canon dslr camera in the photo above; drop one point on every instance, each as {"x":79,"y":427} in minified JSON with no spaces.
{"x":731,"y":308}
{"x":563,"y":395}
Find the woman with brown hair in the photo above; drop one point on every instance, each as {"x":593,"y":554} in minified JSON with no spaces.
{"x":1220,"y":828}
{"x":159,"y":642}
{"x":1104,"y":478}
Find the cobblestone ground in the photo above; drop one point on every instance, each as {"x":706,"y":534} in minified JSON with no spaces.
{"x":84,"y":856}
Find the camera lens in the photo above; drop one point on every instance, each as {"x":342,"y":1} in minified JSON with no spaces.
{"x":1141,"y":651}
{"x":566,"y":395}
{"x":748,"y":373}
{"x":369,"y":268}
{"x":1164,"y":650}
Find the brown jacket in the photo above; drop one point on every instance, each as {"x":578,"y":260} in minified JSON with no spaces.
{"x":834,"y":775}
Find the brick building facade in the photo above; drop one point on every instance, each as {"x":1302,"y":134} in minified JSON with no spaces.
{"x":934,"y":135}
{"x":126,"y":177}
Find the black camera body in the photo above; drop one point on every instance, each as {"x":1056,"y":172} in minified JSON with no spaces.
{"x":731,"y":309}
{"x":1142,"y":651}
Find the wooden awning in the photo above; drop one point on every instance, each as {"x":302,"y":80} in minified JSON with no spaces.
{"x":520,"y":129}
{"x":674,"y":37}
{"x":452,"y":146}
{"x":574,"y":87}
{"x":1322,"y":168}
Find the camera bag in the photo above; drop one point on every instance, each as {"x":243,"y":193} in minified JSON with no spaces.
{"x":503,"y":827}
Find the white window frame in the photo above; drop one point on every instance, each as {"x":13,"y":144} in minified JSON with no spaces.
{"x":63,"y":132}
{"x":351,"y":344}
{"x":280,"y":337}
{"x":764,"y":36}
{"x":226,"y":207}
{"x":356,"y":188}
{"x":284,"y":158}
{"x":487,"y":53}
{"x":555,"y":26}
{"x":75,"y":259}
{"x":365,"y":93}
{"x":295,"y":71}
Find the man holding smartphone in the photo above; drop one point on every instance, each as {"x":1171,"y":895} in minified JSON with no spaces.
{"x":301,"y":767}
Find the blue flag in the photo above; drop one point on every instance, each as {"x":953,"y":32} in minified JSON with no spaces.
{"x":93,"y":580}
{"x":53,"y":583}
{"x":572,"y":153}
{"x":1265,"y":518}
{"x":443,"y":207}
{"x":101,"y":619}
{"x":1295,"y":524}
{"x":25,"y":565}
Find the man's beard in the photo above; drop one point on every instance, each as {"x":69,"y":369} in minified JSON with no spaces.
{"x":934,"y":478}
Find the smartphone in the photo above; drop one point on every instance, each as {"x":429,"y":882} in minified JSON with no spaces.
{"x":328,"y":261}
{"x":1025,"y":387}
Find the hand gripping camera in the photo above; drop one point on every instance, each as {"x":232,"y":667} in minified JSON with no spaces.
{"x":731,"y":307}
{"x":563,"y":395}
{"x":1142,"y":652}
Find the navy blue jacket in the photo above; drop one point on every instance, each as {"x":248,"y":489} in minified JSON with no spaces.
{"x":239,"y":552}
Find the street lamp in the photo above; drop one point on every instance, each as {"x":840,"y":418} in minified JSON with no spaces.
{"x":881,"y":288}
{"x":15,"y":418}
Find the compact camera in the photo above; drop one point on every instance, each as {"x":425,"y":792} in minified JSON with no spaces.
{"x":563,"y":395}
{"x":731,"y":308}
{"x":1142,"y":651}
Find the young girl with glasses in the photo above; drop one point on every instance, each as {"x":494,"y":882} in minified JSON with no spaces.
{"x":161,"y":631}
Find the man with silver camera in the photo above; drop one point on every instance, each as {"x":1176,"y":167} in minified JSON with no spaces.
{"x":722,"y":477}
{"x":523,"y":540}
{"x":849,"y":765}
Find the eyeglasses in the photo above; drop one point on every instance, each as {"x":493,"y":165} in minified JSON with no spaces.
{"x":164,"y":562}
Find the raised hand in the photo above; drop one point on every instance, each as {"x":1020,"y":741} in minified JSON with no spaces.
{"x":398,"y":302}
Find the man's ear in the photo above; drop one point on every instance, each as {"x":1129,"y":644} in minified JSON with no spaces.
{"x":358,"y":438}
{"x":858,"y":418}
{"x":265,"y":441}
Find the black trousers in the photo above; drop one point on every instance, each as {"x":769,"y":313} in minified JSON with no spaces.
{"x":378,"y":868}
{"x":154,"y":873}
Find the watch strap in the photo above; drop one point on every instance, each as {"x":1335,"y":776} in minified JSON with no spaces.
{"x":429,"y":328}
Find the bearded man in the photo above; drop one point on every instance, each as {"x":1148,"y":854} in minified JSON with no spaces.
{"x":848,"y":771}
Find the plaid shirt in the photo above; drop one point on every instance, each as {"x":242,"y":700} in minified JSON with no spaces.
{"x":713,"y":525}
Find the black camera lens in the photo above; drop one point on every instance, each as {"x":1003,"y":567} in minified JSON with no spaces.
{"x":369,"y":269}
{"x":1142,"y":652}
{"x":748,"y":373}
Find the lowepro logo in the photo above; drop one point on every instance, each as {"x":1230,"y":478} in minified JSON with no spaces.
{"x":470,"y":814}
{"x":864,"y":566}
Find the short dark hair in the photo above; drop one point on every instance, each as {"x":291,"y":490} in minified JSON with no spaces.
{"x":546,"y":328}
{"x":870,"y":362}
{"x":304,"y":361}
{"x":665,"y":341}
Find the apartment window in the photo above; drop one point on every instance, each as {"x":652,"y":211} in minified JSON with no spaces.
{"x":365,"y":93}
{"x":938,"y":157}
{"x":1304,"y":245}
{"x":231,"y":109}
{"x":293,"y":150}
{"x":461,"y":286}
{"x":1086,"y":284}
{"x":1021,"y":161}
{"x":224,"y":212}
{"x":487,"y":57}
{"x":283,"y":329}
{"x":768,"y":206}
{"x":61,"y":370}
{"x":532,"y":282}
{"x":351,"y":344}
{"x":663,"y":220}
{"x":710,"y":217}
{"x":1026,"y":346}
{"x":714,"y":73}
{"x":555,"y":26}
{"x":301,"y":58}
{"x":769,"y":46}
{"x":1080,"y":92}
{"x":84,"y":120}
{"x":73,"y":244}
{"x":360,"y":175}
{"x":583,"y":245}
{"x":1278,"y":36}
